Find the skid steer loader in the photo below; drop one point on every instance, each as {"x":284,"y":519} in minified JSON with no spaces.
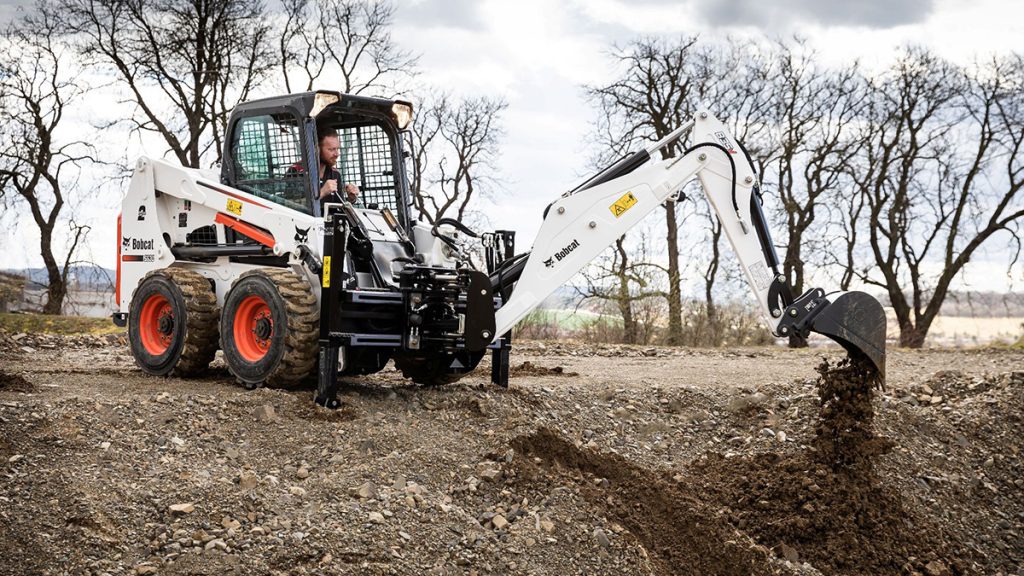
{"x":247,"y":260}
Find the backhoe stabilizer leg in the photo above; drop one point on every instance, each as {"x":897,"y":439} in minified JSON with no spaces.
{"x":327,"y":377}
{"x":855,"y":320}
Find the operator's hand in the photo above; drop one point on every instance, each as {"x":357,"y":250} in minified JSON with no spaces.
{"x":329,"y":187}
{"x":352,"y":191}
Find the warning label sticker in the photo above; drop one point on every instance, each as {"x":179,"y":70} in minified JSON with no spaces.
{"x":327,"y":272}
{"x":235,"y":207}
{"x":762,"y":276}
{"x":622,"y":204}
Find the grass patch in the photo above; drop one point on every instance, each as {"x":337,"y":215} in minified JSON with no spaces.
{"x":16,"y":323}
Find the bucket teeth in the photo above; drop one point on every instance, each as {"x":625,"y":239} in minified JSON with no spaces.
{"x":857,"y":322}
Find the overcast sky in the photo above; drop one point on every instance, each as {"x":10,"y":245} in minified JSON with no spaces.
{"x":539,"y":53}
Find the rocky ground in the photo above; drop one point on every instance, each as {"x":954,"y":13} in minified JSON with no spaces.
{"x":597,"y":460}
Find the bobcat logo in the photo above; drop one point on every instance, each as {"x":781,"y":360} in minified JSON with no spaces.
{"x":126,"y":241}
{"x":301,"y":235}
{"x":561,"y":254}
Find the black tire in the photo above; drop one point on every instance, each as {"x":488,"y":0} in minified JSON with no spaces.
{"x":160,"y":341}
{"x":269,"y":327}
{"x":435,"y":369}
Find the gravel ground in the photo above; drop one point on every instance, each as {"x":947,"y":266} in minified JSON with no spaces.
{"x":597,"y":460}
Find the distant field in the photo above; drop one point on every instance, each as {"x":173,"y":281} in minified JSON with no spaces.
{"x":16,"y":323}
{"x":965,"y":331}
{"x":953,"y":331}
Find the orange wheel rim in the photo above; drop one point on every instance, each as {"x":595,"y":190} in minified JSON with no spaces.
{"x":156,"y":324}
{"x":254,"y":328}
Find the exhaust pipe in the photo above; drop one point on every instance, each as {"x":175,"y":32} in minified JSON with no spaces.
{"x":855,"y":320}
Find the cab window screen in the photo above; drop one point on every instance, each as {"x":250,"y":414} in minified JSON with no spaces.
{"x":267,"y":152}
{"x":366,"y":162}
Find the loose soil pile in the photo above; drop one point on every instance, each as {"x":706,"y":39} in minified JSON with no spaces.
{"x":825,"y":504}
{"x":684,"y":533}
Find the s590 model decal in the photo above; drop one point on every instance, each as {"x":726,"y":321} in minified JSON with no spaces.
{"x":561,"y":254}
{"x":723,"y":139}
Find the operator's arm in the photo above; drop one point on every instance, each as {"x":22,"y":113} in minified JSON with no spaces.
{"x":327,"y":188}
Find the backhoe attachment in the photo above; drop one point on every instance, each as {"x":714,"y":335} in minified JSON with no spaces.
{"x":586,"y":220}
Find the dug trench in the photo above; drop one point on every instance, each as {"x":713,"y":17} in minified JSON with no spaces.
{"x":728,"y":514}
{"x":15,"y":383}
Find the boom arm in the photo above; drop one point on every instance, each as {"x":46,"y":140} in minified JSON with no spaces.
{"x":583,"y":223}
{"x":579,"y":226}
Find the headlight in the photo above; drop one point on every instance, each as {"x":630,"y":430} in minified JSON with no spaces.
{"x":322,"y":100}
{"x":402,"y":113}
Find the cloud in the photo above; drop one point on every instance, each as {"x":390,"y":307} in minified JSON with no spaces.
{"x":11,"y":9}
{"x":776,"y":18}
{"x":464,"y":14}
{"x":783,"y":14}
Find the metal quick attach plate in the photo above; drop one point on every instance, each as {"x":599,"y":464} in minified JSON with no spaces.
{"x":479,"y":312}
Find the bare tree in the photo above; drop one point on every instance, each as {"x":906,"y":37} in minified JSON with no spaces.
{"x":36,"y":166}
{"x":350,"y":37}
{"x":655,"y":93}
{"x":624,"y":278}
{"x":816,"y":109}
{"x":742,"y":102}
{"x":942,"y":174}
{"x":184,"y":63}
{"x":660,"y":85}
{"x":710,"y":273}
{"x":456,"y":143}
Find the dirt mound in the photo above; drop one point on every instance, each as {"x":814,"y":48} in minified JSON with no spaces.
{"x":949,"y":386}
{"x":828,"y":505}
{"x":841,"y":522}
{"x":528,"y":368}
{"x":683,"y":532}
{"x":15,"y":383}
{"x":825,"y":505}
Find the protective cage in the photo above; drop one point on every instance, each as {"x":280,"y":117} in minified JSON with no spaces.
{"x":267,"y":152}
{"x":367,"y":161}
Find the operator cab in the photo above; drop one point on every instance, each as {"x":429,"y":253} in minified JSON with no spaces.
{"x":272,"y":150}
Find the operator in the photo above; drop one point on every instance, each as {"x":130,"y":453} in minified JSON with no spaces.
{"x":329,"y":150}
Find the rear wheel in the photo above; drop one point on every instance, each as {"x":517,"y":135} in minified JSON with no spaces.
{"x":172,"y":323}
{"x":269,"y":328}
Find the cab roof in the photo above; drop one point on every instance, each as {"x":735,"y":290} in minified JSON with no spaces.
{"x":312,"y":104}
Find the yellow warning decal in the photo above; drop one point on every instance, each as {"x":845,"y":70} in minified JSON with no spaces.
{"x":235,"y":207}
{"x":327,"y":272}
{"x":622,"y":204}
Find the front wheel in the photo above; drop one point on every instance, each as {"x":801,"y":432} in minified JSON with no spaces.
{"x":269,"y":328}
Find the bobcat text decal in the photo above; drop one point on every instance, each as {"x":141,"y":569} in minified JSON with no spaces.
{"x":129,"y":243}
{"x":561,"y":254}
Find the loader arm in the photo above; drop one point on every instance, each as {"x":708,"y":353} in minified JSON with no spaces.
{"x":583,"y":223}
